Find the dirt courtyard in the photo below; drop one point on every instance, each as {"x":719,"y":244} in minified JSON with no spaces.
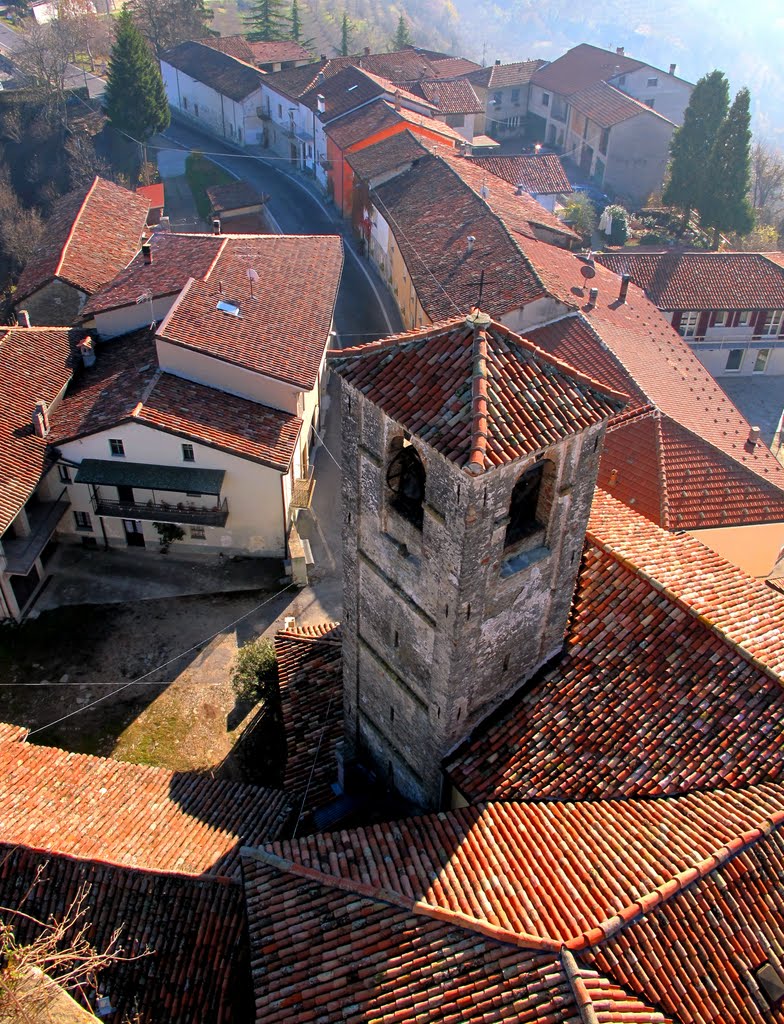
{"x":182,"y":715}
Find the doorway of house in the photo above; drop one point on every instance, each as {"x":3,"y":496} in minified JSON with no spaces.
{"x":134,"y":537}
{"x":125,"y":494}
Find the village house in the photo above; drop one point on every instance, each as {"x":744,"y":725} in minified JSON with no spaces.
{"x":541,"y":175}
{"x":268,"y":55}
{"x":156,"y":194}
{"x":728,"y":306}
{"x":91,"y":234}
{"x":201,"y":409}
{"x":215,"y":90}
{"x":503,"y":91}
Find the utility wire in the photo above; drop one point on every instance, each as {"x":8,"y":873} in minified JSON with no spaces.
{"x":157,"y":668}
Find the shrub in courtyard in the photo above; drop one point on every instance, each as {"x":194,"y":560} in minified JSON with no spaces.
{"x":255,"y":670}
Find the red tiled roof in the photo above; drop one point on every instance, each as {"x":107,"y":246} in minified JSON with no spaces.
{"x":452,"y":67}
{"x":502,"y":76}
{"x":606,"y":106}
{"x":398,"y":66}
{"x":680,"y":651}
{"x":35,"y":365}
{"x":235,"y":46}
{"x":344,"y":91}
{"x":96,"y":808}
{"x":181,"y":949}
{"x":431,"y":124}
{"x":431,"y":212}
{"x":278,"y":51}
{"x":155,"y":193}
{"x":452,"y":97}
{"x":426,"y":380}
{"x":775,"y":257}
{"x":126,"y":384}
{"x":362,"y":124}
{"x":560,"y":871}
{"x":390,"y":154}
{"x":655,"y":360}
{"x":582,"y":66}
{"x":697,"y":281}
{"x":176,"y":258}
{"x":542,"y":173}
{"x":321,"y":954}
{"x":90,"y":236}
{"x":520,"y":213}
{"x":283,"y":331}
{"x":310,"y":676}
{"x":226,"y":74}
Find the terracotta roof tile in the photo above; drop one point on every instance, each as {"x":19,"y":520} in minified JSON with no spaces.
{"x":310,"y":676}
{"x":503,"y":76}
{"x":274,"y":51}
{"x":90,"y":236}
{"x":679,"y":650}
{"x":175,"y":259}
{"x":283,"y":330}
{"x":35,"y":365}
{"x":233,"y":195}
{"x":388,"y":155}
{"x":424,"y":380}
{"x":182,"y":950}
{"x":452,"y":67}
{"x":452,"y":97}
{"x":431,"y":211}
{"x":697,"y":281}
{"x":607,"y":106}
{"x":235,"y":46}
{"x":399,"y":66}
{"x":344,"y":91}
{"x":224,"y":73}
{"x":582,"y":66}
{"x":155,"y":193}
{"x":362,"y":124}
{"x":542,"y":173}
{"x":96,"y":808}
{"x":126,"y":384}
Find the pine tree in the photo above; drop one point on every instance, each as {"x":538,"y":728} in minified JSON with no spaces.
{"x":296,"y":24}
{"x":724,"y":204}
{"x":135,"y":98}
{"x":345,"y":35}
{"x":692,"y":143}
{"x":267,"y":21}
{"x":402,"y":35}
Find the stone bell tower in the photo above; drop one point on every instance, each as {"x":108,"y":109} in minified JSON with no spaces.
{"x":469,"y":464}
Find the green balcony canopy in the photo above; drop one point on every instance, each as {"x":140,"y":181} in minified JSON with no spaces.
{"x":118,"y":472}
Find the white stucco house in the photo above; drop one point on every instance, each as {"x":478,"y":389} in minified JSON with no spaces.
{"x":216,"y":90}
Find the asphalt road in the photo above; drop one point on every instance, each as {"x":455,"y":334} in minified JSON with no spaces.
{"x":75,"y":77}
{"x":365,"y":309}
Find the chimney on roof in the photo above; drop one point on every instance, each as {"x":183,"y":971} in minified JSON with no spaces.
{"x":754,"y":438}
{"x":397,"y":99}
{"x":147,"y":253}
{"x":164,"y":224}
{"x":367,"y":51}
{"x":625,"y":279}
{"x":470,"y":243}
{"x":86,"y":351}
{"x":672,"y":68}
{"x":593,"y":295}
{"x":216,"y":226}
{"x":23,"y":318}
{"x":619,"y":50}
{"x":321,"y":104}
{"x":498,"y":63}
{"x":41,"y":419}
{"x":324,"y":57}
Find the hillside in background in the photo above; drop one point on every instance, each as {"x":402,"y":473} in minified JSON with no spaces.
{"x":697,"y":35}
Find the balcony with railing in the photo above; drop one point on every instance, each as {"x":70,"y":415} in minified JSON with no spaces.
{"x":42,"y":518}
{"x":185,"y":512}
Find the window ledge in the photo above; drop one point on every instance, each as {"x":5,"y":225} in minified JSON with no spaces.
{"x":522,"y":560}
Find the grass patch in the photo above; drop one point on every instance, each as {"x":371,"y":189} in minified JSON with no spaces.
{"x":200,"y":174}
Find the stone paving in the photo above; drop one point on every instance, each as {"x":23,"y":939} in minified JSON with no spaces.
{"x":759,"y":398}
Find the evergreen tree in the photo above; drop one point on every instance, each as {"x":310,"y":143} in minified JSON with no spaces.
{"x":296,"y":24}
{"x":345,"y":35}
{"x":402,"y":35}
{"x":692,"y":143}
{"x":267,"y":20}
{"x":135,"y":99}
{"x":724,"y":204}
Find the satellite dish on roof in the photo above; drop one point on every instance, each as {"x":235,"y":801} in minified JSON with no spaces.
{"x":251,"y":275}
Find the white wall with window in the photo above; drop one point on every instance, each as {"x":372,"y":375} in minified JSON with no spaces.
{"x":734,"y":342}
{"x":670,"y":94}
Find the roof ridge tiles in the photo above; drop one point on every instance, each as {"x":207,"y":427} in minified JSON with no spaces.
{"x":580,"y":990}
{"x":523,"y":940}
{"x":477,"y":462}
{"x":681,"y":880}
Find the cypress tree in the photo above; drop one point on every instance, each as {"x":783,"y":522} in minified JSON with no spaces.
{"x":267,"y":20}
{"x":724,"y":204}
{"x":345,"y":35}
{"x":402,"y":35}
{"x":693,"y":141}
{"x":135,"y":98}
{"x":296,"y":24}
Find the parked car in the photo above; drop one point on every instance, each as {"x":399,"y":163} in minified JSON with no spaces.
{"x":595,"y":195}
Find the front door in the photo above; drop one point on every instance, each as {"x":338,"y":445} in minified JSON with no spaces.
{"x":125,"y":494}
{"x":134,"y":537}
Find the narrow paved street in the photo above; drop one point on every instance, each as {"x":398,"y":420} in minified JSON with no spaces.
{"x":365,"y":309}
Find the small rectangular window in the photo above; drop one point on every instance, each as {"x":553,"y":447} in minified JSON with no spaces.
{"x":744,"y":318}
{"x":197,"y":533}
{"x":652,"y":83}
{"x":82,"y":521}
{"x":188,"y":453}
{"x":734,"y":359}
{"x":64,"y":474}
{"x":689,"y":320}
{"x":185,"y":103}
{"x":772,"y":324}
{"x":761,"y":362}
{"x":545,"y":99}
{"x":650,"y":102}
{"x":622,"y":80}
{"x":497,"y":97}
{"x":720,"y":318}
{"x":515,"y":96}
{"x":116,"y":447}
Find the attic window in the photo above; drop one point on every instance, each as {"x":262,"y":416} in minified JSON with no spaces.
{"x":771,"y":983}
{"x":227,"y":306}
{"x":351,"y":88}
